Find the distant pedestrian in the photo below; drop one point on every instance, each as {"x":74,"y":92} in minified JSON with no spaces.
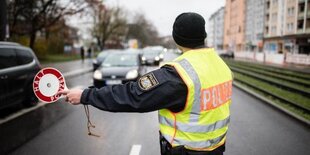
{"x":82,"y":53}
{"x":89,"y":52}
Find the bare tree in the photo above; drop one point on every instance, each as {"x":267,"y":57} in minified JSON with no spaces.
{"x":143,"y":30}
{"x":109,"y":24}
{"x":27,"y":17}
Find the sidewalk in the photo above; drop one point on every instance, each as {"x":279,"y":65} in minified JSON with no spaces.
{"x":72,"y":68}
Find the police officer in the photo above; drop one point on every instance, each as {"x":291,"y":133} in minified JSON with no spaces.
{"x":192,"y":94}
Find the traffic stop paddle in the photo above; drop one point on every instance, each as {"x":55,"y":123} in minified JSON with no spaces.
{"x":46,"y":85}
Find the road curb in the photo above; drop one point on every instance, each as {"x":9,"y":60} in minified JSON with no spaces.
{"x":247,"y":90}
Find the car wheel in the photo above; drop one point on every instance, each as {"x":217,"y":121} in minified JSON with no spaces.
{"x":30,"y":99}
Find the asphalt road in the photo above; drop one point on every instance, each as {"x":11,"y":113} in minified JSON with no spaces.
{"x":255,"y":129}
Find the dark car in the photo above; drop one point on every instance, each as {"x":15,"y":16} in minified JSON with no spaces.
{"x":101,"y":56}
{"x":18,"y":66}
{"x":227,"y":54}
{"x":119,"y":67}
{"x":152,"y":56}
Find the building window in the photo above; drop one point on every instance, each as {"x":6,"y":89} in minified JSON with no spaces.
{"x":274,"y":2}
{"x":290,"y":11}
{"x":300,"y":24}
{"x":268,"y":5}
{"x":273,"y":29}
{"x":290,"y":27}
{"x":274,"y":16}
{"x":301,"y":7}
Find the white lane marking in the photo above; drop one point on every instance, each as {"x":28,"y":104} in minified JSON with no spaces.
{"x":135,"y":150}
{"x":24,"y":111}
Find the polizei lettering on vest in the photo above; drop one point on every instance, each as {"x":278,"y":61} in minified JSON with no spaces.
{"x":215,"y":96}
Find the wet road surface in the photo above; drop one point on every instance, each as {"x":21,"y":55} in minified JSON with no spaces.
{"x":255,"y":128}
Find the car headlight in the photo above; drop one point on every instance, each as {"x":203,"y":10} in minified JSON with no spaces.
{"x":132,"y":74}
{"x":161,"y":56}
{"x":156,"y":58}
{"x":97,"y":75}
{"x":143,"y":59}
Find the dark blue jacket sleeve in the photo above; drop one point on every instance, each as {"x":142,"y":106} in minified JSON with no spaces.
{"x":170,"y":93}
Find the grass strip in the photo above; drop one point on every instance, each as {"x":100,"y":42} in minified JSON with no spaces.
{"x":293,"y":98}
{"x":278,"y":70}
{"x":300,"y":81}
{"x":277,"y":82}
{"x":284,"y":105}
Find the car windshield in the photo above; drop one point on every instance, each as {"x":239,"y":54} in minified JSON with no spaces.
{"x":120,"y":59}
{"x":101,"y":56}
{"x":151,"y":53}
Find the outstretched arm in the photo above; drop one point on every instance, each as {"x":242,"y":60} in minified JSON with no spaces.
{"x":162,"y":88}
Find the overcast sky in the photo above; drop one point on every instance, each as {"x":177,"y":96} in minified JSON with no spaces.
{"x":162,"y":13}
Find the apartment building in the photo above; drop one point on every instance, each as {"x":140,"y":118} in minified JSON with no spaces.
{"x":216,"y":29}
{"x":275,"y":31}
{"x":274,"y":26}
{"x":234,"y":25}
{"x":287,"y":26}
{"x":211,"y":32}
{"x":254,"y":25}
{"x":303,"y":27}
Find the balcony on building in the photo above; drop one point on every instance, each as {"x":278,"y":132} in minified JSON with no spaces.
{"x":301,"y":7}
{"x":308,"y":26}
{"x":301,"y":15}
{"x":266,"y":31}
{"x":267,"y":18}
{"x":300,"y":26}
{"x":267,"y":5}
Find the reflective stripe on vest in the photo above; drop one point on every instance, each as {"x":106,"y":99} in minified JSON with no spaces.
{"x":198,"y":144}
{"x":194,"y":115}
{"x":189,"y":127}
{"x":197,"y":128}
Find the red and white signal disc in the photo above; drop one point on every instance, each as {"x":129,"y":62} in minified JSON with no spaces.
{"x":47,"y":83}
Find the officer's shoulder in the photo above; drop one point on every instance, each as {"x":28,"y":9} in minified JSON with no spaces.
{"x":148,"y":81}
{"x":157,"y":77}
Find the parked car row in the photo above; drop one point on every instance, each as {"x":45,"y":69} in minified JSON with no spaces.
{"x":18,"y":66}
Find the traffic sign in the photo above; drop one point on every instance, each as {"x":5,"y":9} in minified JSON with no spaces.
{"x":47,"y":83}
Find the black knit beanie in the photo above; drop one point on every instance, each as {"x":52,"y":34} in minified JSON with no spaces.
{"x":189,"y":30}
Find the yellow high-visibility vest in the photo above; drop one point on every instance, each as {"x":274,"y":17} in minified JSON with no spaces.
{"x":203,"y":123}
